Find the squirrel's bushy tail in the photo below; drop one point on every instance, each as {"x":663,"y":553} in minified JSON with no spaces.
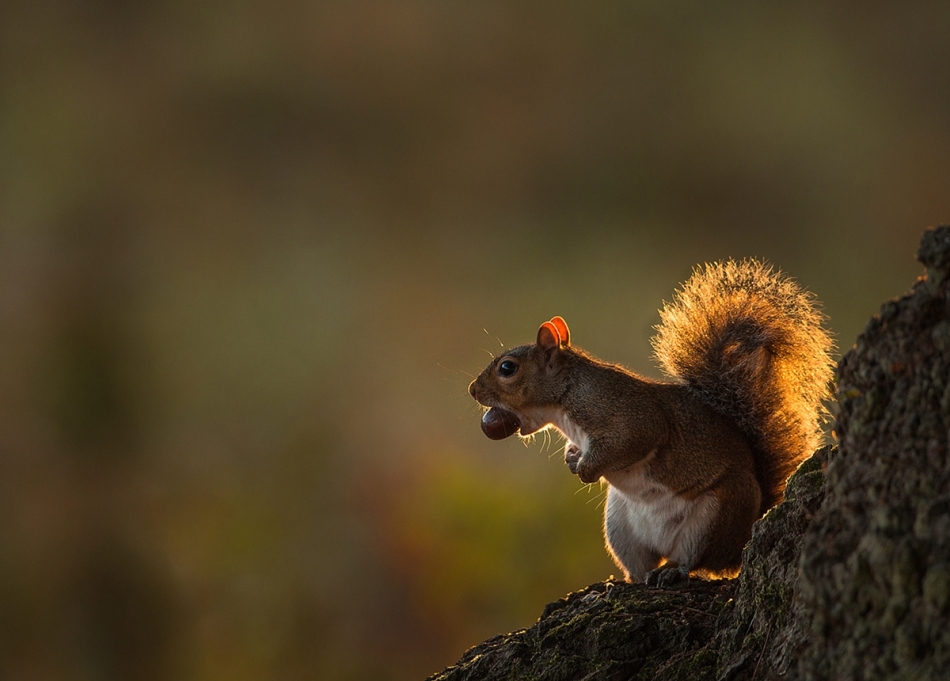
{"x":751,"y":344}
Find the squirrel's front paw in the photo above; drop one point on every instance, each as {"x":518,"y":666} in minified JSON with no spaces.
{"x":586,"y":471}
{"x":579,"y":464}
{"x":572,"y":456}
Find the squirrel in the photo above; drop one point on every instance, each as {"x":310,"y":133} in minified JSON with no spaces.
{"x":690,"y":463}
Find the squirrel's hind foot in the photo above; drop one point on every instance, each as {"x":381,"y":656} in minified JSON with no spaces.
{"x":667,"y":575}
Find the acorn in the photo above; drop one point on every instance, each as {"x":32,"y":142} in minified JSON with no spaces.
{"x":500,"y":423}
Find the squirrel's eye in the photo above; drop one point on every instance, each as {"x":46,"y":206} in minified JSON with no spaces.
{"x":508,"y":368}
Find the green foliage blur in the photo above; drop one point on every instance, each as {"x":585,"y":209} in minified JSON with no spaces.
{"x":251,"y":254}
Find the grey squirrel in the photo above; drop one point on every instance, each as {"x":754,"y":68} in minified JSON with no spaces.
{"x":690,"y":463}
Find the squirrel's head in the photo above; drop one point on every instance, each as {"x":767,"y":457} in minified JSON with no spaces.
{"x":520,"y":386}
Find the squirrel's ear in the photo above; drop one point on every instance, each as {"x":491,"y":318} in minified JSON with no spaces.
{"x":562,"y":330}
{"x":548,"y":336}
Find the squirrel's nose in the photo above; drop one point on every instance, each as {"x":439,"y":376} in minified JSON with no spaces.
{"x":471,"y":388}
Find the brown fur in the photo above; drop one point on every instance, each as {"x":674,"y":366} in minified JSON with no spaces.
{"x":751,"y":364}
{"x":750,"y":343}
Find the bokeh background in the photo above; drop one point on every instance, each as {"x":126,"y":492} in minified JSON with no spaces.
{"x":251,"y":254}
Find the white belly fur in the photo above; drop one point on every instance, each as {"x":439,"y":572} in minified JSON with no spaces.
{"x":658,"y":519}
{"x":650,"y":513}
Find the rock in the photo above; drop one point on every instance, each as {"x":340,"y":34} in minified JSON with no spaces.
{"x":876,"y":560}
{"x":765,"y":632}
{"x":610,"y":630}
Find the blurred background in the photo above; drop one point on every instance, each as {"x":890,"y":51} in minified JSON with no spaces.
{"x":251,"y":254}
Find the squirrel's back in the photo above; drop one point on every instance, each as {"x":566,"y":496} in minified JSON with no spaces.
{"x":749,"y":342}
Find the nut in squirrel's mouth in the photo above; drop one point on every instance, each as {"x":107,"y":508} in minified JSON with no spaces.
{"x":498,"y":423}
